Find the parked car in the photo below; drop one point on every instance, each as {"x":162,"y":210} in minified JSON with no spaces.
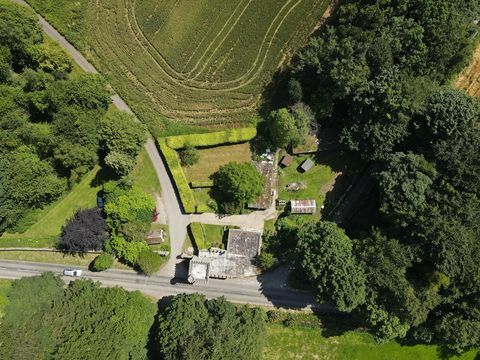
{"x":72,"y":272}
{"x":100,"y":202}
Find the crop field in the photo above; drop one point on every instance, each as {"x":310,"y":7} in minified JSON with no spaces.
{"x":202,"y":63}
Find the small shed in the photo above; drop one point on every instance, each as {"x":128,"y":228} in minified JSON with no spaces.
{"x":287,"y":160}
{"x":307,"y":165}
{"x":303,"y":206}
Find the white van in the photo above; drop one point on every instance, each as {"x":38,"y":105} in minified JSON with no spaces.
{"x":72,"y":272}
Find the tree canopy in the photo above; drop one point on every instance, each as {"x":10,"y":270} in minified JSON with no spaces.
{"x":325,"y":256}
{"x":238,"y":183}
{"x":193,"y":327}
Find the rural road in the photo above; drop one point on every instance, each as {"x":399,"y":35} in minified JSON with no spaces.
{"x":259,"y":291}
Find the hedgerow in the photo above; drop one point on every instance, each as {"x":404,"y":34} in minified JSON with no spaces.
{"x":198,"y":235}
{"x":232,"y":136}
{"x":201,"y":184}
{"x":171,"y":157}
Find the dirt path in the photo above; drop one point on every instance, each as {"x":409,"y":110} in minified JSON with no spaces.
{"x":469,"y":78}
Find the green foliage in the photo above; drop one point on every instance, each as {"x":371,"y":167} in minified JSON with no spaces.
{"x":239,"y":183}
{"x":44,"y":320}
{"x":102,"y":262}
{"x":26,"y":182}
{"x":198,"y":235}
{"x":283,"y":129}
{"x":189,"y":156}
{"x":452,"y":125}
{"x":149,"y":262}
{"x":87,"y":91}
{"x":128,"y":251}
{"x":19,"y":32}
{"x":325,"y":256}
{"x":267,"y":261}
{"x":53,"y":59}
{"x":127,"y":205}
{"x":232,"y":136}
{"x":181,"y":182}
{"x":195,"y":328}
{"x":28,"y":299}
{"x":403,"y":186}
{"x":121,"y":138}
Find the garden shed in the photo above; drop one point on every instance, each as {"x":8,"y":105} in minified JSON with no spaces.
{"x":287,"y":160}
{"x":307,"y":165}
{"x":303,"y":206}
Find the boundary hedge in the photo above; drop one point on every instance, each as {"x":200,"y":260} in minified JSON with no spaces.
{"x":198,"y":235}
{"x":232,"y":136}
{"x":201,"y":184}
{"x":169,"y":145}
{"x":173,"y":163}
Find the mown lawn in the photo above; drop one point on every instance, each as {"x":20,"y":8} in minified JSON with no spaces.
{"x":325,"y":182}
{"x":308,"y":343}
{"x":212,"y":158}
{"x":144,"y":176}
{"x":46,"y":230}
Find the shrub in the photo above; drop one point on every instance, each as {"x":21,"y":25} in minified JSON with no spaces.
{"x":102,"y":262}
{"x":189,"y":156}
{"x":267,"y":261}
{"x":125,"y":250}
{"x":210,"y":139}
{"x":149,"y":262}
{"x":86,"y":230}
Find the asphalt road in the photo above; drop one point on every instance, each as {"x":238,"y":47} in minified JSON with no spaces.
{"x":250,"y":291}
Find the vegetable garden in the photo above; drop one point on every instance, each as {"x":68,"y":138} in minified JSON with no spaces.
{"x":201,"y":65}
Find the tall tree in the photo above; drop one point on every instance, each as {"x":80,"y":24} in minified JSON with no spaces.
{"x":325,"y":256}
{"x":193,"y":327}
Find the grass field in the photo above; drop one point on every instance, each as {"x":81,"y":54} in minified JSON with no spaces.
{"x":4,"y":288}
{"x":144,"y":175}
{"x":46,"y":230}
{"x":203,"y":63}
{"x":211,"y":159}
{"x":307,"y":343}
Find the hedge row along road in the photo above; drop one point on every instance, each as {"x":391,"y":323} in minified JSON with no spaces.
{"x":198,"y":65}
{"x":276,"y":294}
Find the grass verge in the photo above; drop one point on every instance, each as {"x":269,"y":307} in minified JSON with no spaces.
{"x":55,"y":258}
{"x":144,"y":176}
{"x":46,"y":230}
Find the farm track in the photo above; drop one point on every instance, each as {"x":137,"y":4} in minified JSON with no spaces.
{"x":469,"y":79}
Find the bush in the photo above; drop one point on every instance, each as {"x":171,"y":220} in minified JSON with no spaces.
{"x":186,"y":195}
{"x":189,"y":156}
{"x":125,"y":250}
{"x":210,"y":139}
{"x":149,"y":262}
{"x":86,"y":230}
{"x":102,"y":262}
{"x":267,"y":261}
